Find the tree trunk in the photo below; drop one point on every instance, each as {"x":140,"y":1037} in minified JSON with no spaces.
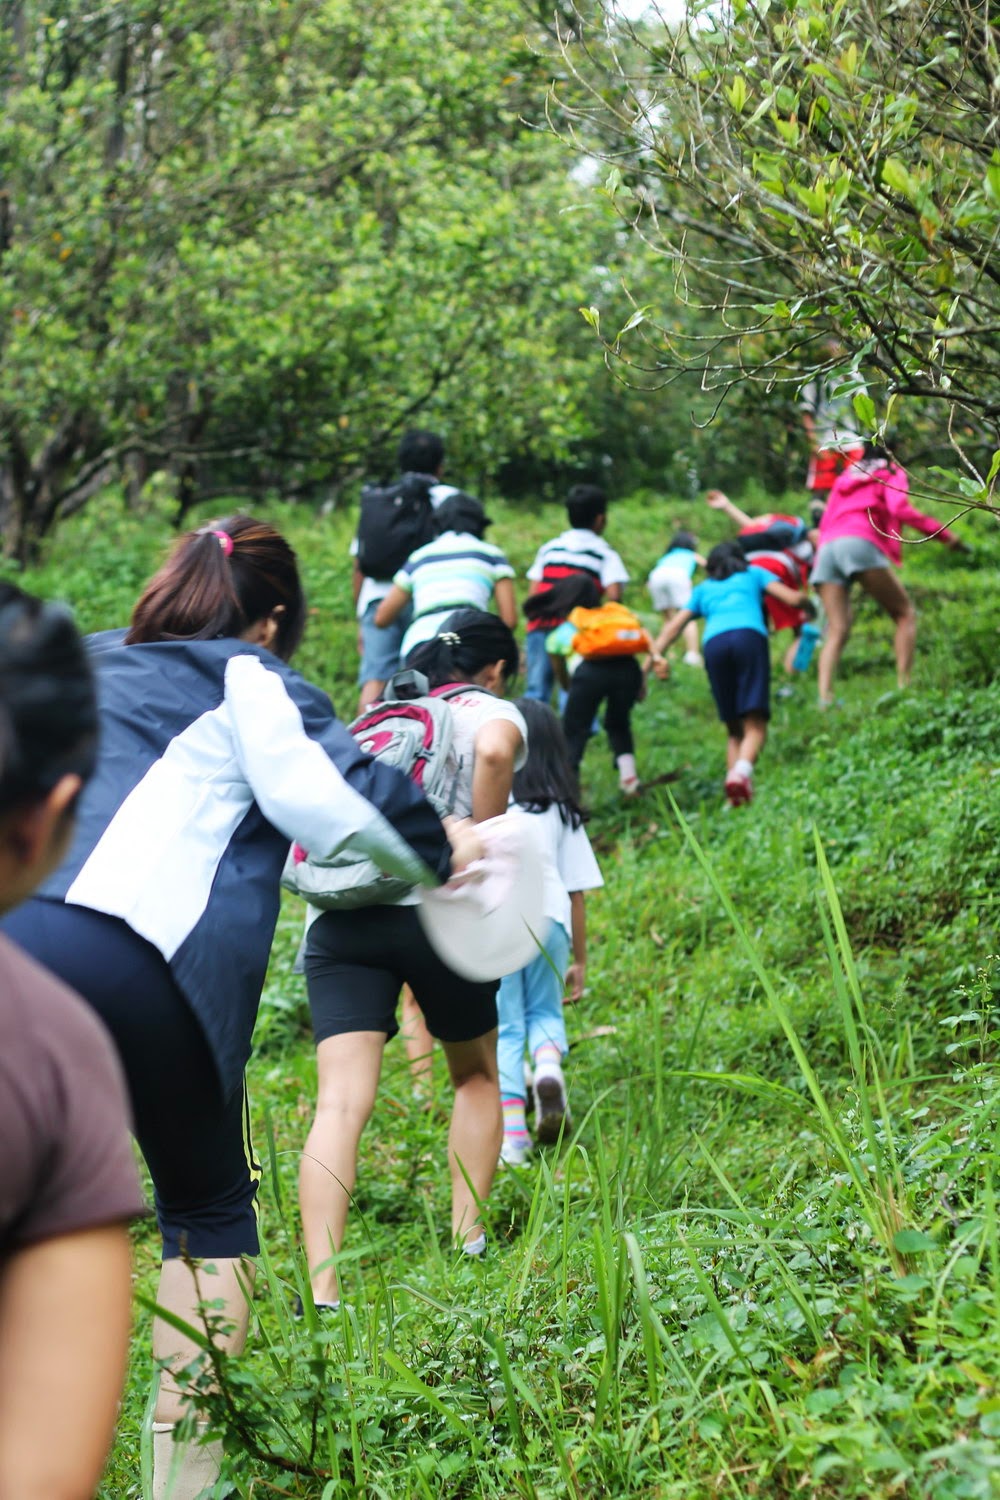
{"x":34,"y":493}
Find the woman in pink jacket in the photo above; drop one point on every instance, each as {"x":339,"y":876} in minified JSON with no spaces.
{"x":859,"y":540}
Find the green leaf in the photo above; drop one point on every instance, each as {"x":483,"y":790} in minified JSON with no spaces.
{"x":736,"y":93}
{"x":913,"y":1242}
{"x":639,"y":316}
{"x":864,"y":409}
{"x":592,"y":315}
{"x":992,"y":183}
{"x":898,"y":177}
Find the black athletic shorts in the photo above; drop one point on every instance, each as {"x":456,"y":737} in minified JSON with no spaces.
{"x":358,"y":961}
{"x":196,"y":1142}
{"x":738,"y":663}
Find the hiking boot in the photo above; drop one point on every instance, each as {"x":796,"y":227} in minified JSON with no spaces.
{"x":551,"y":1112}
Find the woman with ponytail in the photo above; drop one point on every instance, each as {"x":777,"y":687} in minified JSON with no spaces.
{"x":358,"y":961}
{"x":214,"y":755}
{"x":68,"y":1183}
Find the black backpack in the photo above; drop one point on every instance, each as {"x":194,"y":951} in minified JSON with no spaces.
{"x":395,"y":520}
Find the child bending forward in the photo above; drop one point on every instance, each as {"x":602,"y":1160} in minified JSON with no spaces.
{"x":530,"y":1002}
{"x":737,"y":654}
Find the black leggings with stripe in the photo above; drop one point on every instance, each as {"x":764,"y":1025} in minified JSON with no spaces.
{"x":196,"y":1143}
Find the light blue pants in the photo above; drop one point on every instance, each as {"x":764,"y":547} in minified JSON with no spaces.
{"x":531,"y":1010}
{"x":539,"y":674}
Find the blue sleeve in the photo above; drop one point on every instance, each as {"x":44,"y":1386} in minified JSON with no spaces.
{"x":696,"y":603}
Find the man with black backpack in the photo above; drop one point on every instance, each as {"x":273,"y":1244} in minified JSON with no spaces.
{"x":395,"y":520}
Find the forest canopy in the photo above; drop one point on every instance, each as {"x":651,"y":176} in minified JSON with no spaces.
{"x":242,"y":249}
{"x":252,"y":244}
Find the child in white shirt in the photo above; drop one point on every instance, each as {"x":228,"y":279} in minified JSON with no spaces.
{"x":530,"y":1002}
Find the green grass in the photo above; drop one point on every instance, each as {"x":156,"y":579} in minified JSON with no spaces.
{"x":767,"y":1263}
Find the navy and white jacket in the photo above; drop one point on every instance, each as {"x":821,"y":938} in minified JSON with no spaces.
{"x":214,"y":756}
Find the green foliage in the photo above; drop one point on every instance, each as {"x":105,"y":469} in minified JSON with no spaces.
{"x":823,"y":194}
{"x":768,"y":1260}
{"x":251,"y":245}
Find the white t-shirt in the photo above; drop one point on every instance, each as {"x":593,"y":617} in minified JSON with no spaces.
{"x":583,"y":551}
{"x":570,"y":864}
{"x":471,"y":711}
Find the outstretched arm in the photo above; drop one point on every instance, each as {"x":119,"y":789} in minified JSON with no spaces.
{"x":797,"y":598}
{"x":314,"y":783}
{"x":718,"y":501}
{"x":903,"y":513}
{"x":392,"y":605}
{"x":577,"y":971}
{"x":671,"y":631}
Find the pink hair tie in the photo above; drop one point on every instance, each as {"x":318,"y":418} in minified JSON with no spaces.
{"x":225,"y":540}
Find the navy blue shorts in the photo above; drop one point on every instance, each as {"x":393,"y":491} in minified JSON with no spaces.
{"x":195,"y":1141}
{"x":738,"y":663}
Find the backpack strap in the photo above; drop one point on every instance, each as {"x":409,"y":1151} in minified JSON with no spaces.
{"x":456,"y":689}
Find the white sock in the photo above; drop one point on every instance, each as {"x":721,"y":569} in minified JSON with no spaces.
{"x":476,"y":1246}
{"x":744,"y":768}
{"x":547,"y":1054}
{"x":183,"y":1471}
{"x":626,"y":768}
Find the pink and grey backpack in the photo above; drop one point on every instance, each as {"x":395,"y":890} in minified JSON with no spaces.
{"x":412,"y":728}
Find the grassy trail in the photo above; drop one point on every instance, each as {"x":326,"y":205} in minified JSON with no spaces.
{"x":767,"y":1263}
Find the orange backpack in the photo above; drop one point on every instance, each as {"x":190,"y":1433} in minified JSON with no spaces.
{"x":609,"y":630}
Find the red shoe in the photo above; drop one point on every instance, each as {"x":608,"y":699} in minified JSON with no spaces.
{"x":739,"y":789}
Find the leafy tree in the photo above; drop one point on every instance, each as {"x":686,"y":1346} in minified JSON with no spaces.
{"x":822,"y":184}
{"x":248,"y":245}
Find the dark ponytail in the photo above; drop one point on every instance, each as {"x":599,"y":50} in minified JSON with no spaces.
{"x":220,"y":580}
{"x":547,"y":777}
{"x":48,"y":710}
{"x":577,"y":591}
{"x":466,"y":642}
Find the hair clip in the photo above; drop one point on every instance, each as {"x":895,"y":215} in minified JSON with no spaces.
{"x":224,"y":539}
{"x":450,"y":638}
